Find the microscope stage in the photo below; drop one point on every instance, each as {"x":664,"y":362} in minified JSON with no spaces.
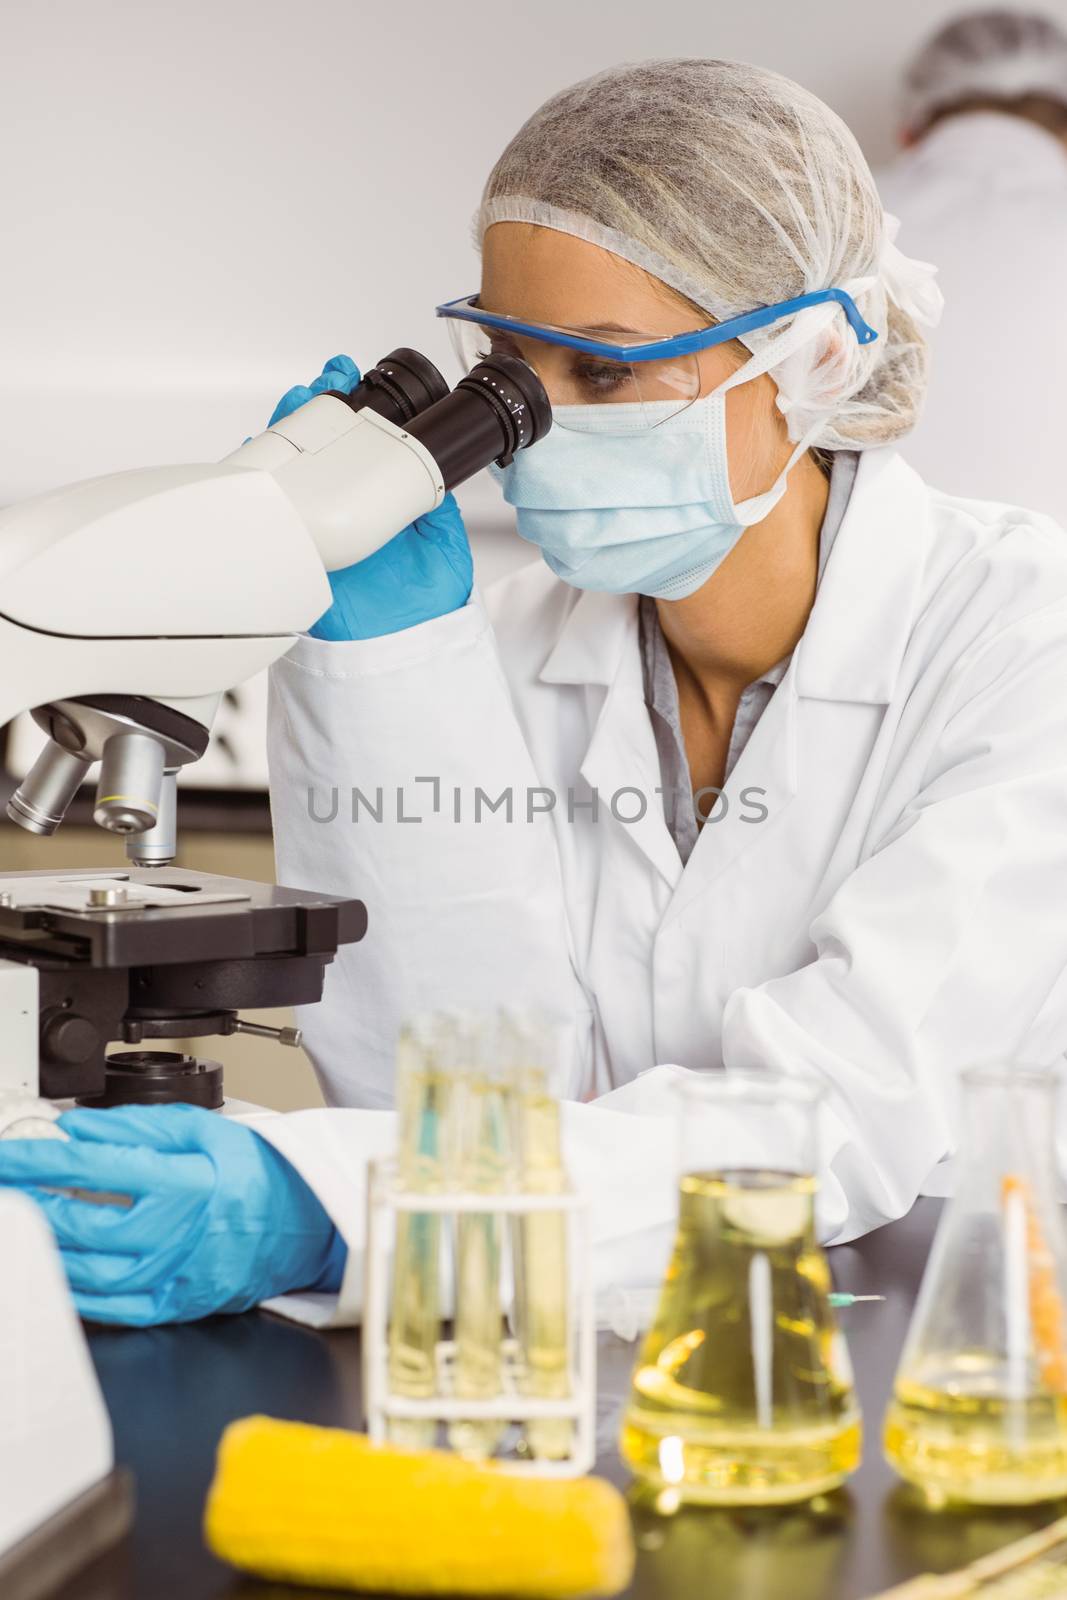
{"x":140,"y":916}
{"x":91,"y":892}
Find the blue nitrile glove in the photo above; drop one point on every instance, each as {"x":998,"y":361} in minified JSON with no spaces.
{"x":340,"y":372}
{"x":425,"y":571}
{"x":218,"y":1221}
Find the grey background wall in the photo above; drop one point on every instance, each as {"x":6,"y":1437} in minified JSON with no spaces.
{"x":202,"y":200}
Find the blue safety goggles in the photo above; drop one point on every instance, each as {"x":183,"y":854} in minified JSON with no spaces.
{"x":653,"y":378}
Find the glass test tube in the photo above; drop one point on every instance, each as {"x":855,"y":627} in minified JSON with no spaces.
{"x":483,"y":1164}
{"x":423,"y":1095}
{"x":541,"y":1312}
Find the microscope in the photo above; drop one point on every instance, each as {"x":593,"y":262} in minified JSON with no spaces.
{"x":129,"y":604}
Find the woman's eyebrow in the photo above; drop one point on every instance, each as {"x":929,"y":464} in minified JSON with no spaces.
{"x":589,"y":330}
{"x":574,"y":327}
{"x":636,"y":335}
{"x":582,"y":327}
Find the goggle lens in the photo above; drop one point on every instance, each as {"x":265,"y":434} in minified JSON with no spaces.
{"x":647,"y":392}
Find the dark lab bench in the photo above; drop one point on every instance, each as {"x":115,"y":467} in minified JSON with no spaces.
{"x":171,"y":1392}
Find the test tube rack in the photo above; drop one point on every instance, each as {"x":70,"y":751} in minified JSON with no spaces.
{"x":386,"y":1198}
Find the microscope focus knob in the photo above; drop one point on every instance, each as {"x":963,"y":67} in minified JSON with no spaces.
{"x":69,"y":1039}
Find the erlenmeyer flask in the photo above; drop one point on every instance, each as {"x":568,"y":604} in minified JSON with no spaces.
{"x":742,"y":1393}
{"x":979,"y":1409}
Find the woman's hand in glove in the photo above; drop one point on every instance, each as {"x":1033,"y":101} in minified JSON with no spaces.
{"x":424,"y":572}
{"x":212,"y":1217}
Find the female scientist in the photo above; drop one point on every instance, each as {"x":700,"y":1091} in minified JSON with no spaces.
{"x":746,"y":595}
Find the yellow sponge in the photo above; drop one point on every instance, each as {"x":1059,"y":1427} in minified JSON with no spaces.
{"x":323,"y":1507}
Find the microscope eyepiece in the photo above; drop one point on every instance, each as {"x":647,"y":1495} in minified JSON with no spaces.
{"x":498,"y":408}
{"x":401,"y":385}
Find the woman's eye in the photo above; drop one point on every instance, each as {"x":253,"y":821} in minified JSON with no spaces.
{"x":495,"y":344}
{"x":604,"y":378}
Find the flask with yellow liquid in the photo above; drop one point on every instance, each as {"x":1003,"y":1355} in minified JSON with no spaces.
{"x":742,"y":1393}
{"x":979,"y":1408}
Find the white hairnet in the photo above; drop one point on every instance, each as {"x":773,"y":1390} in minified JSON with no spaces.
{"x":738,"y":189}
{"x":1002,"y":55}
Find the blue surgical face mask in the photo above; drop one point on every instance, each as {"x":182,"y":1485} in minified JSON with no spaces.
{"x":647,"y":511}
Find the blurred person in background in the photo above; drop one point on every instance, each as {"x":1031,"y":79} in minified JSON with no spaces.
{"x":981,"y":190}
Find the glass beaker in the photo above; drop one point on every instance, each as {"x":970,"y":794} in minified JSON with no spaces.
{"x":742,"y":1393}
{"x":979,"y":1408}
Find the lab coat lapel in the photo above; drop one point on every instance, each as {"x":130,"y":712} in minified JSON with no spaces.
{"x":864,"y":612}
{"x":598,"y":644}
{"x":850,"y":652}
{"x":622,"y":765}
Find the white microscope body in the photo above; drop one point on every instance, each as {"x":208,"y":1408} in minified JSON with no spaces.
{"x":211,"y":570}
{"x":174,"y":584}
{"x":129,"y":604}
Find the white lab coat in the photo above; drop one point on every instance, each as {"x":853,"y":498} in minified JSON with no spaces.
{"x":984,"y":197}
{"x":900,"y":912}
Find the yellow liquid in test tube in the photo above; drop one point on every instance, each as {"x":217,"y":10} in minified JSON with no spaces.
{"x":743,"y":1393}
{"x":415,"y":1303}
{"x":484,"y":1166}
{"x":542,"y":1285}
{"x":951,"y":1430}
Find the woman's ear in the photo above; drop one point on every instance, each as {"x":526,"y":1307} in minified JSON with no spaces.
{"x":832,"y":361}
{"x":822,"y":381}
